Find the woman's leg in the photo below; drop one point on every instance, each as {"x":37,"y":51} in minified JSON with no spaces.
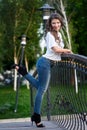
{"x":22,"y":70}
{"x":41,"y":84}
{"x":44,"y":78}
{"x":32,"y":80}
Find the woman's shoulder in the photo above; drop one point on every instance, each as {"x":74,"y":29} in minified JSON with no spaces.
{"x":49,"y":34}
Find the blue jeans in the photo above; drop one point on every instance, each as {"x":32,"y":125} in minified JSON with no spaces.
{"x":42,"y":83}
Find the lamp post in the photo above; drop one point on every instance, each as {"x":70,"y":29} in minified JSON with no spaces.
{"x":46,"y":11}
{"x":23,"y":44}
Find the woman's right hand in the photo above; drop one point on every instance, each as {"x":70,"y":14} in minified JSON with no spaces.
{"x":67,"y":51}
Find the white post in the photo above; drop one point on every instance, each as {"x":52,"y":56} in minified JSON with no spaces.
{"x":15,"y":80}
{"x":76,"y":81}
{"x":66,"y":24}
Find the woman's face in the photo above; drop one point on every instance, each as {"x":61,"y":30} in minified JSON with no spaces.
{"x":56,"y":24}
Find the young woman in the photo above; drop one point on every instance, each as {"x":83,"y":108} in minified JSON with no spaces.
{"x":55,"y":47}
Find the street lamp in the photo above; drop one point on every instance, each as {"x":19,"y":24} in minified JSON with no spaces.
{"x":46,"y":10}
{"x":23,"y":39}
{"x":23,"y":44}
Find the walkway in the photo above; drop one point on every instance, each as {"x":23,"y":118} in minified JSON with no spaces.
{"x":25,"y":124}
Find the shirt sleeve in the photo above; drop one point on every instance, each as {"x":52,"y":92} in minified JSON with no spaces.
{"x":50,"y":40}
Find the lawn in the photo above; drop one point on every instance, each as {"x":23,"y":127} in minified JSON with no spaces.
{"x":62,"y":100}
{"x":65,"y":100}
{"x":7,"y":102}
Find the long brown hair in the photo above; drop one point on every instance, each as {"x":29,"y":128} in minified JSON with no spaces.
{"x":49,"y":26}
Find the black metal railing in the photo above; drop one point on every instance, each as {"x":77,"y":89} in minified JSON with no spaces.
{"x":66,"y":99}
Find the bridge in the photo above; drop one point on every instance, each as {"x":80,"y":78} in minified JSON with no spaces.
{"x":65,"y":103}
{"x":66,"y":99}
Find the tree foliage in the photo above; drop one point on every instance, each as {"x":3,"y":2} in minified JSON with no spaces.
{"x":19,"y":17}
{"x":77,"y":20}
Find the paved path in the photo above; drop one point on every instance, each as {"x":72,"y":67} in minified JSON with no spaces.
{"x":25,"y":124}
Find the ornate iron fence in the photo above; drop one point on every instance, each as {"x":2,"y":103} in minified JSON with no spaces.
{"x":66,"y":99}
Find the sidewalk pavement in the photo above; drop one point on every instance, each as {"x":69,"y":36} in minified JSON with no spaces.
{"x":25,"y":124}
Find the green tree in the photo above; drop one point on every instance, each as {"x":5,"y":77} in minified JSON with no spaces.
{"x":19,"y":17}
{"x":78,"y":22}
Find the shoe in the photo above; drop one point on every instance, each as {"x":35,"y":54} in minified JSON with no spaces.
{"x":14,"y":66}
{"x":37,"y":119}
{"x":22,"y":70}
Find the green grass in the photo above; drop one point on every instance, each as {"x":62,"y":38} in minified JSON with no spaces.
{"x":66,"y":101}
{"x":7,"y":102}
{"x":63,"y":99}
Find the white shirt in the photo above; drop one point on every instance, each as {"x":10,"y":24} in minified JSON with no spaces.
{"x":50,"y":42}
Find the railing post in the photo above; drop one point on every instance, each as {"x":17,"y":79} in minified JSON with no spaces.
{"x":48,"y":105}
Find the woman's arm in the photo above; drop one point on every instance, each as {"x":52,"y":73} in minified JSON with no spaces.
{"x":61,"y":50}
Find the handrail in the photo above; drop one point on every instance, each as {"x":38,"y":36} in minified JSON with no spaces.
{"x":75,"y":56}
{"x":67,"y":97}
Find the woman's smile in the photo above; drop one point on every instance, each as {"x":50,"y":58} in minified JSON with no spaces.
{"x":56,"y":24}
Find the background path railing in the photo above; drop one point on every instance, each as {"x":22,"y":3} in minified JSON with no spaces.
{"x":66,"y":99}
